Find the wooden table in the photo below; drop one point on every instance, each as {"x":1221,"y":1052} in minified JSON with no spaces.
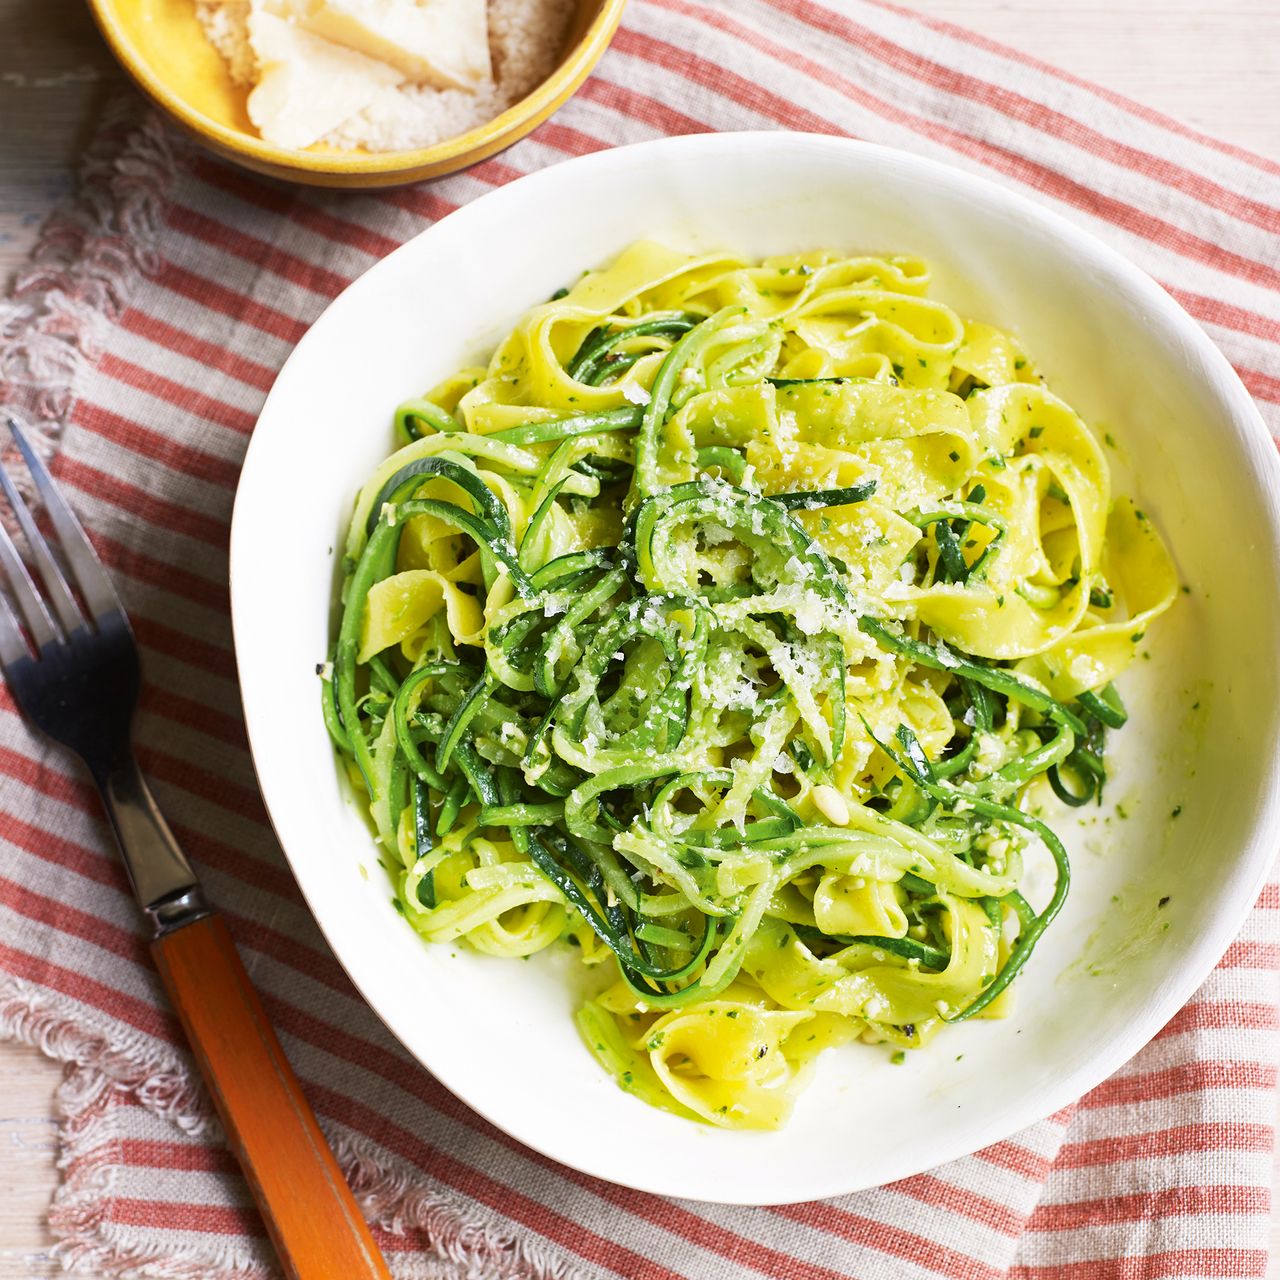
{"x":1214,"y":65}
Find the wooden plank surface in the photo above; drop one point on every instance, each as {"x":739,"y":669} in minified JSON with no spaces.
{"x":1212,"y":65}
{"x":28,"y":1152}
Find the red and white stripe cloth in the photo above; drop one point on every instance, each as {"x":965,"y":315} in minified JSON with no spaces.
{"x":148,"y":331}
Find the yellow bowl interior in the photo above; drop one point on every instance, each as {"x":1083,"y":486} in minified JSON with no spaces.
{"x":163,"y":46}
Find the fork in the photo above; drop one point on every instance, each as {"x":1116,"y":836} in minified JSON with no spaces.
{"x":75,"y":676}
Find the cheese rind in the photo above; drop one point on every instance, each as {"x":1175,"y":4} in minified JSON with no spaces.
{"x":444,"y":43}
{"x":307,"y":85}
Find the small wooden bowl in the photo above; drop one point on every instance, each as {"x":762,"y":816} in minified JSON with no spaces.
{"x":161,"y":44}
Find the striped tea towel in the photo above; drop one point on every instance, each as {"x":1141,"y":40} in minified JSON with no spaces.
{"x":147,"y":332}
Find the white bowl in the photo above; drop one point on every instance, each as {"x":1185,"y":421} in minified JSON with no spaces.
{"x":1108,"y":975}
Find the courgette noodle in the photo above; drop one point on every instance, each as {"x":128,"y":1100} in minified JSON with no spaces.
{"x":719,"y":626}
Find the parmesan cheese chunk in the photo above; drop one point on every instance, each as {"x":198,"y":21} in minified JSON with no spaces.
{"x":443,"y":43}
{"x":308,"y":86}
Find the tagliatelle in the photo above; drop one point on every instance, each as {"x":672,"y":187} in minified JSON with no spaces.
{"x":718,"y":626}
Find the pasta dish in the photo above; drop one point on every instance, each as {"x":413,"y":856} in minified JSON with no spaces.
{"x":730,"y":627}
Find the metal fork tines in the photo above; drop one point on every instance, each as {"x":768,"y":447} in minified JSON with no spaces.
{"x":90,"y":577}
{"x":74,"y":673}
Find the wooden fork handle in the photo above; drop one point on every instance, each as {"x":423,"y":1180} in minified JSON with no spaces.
{"x":308,"y":1209}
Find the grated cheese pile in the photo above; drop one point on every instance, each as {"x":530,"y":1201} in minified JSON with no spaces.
{"x":385,"y":75}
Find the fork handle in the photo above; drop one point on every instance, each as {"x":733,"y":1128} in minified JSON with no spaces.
{"x":306,"y":1205}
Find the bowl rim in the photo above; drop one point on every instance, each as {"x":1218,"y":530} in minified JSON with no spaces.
{"x":1256,"y":852}
{"x":452,"y":153}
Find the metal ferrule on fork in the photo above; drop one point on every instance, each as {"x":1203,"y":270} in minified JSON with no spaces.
{"x":163,"y":881}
